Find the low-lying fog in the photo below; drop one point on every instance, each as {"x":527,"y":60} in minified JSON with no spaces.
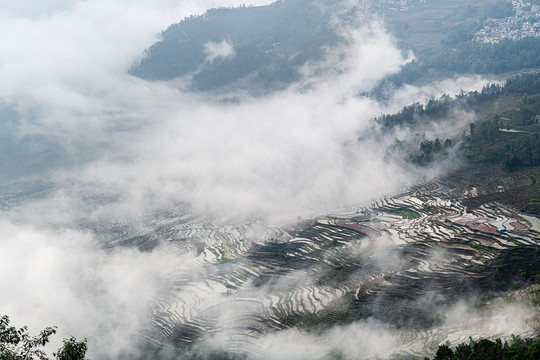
{"x":83,"y":142}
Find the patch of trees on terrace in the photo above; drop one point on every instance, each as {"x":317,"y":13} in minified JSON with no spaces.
{"x":498,"y":58}
{"x":438,"y":108}
{"x":485,"y":349}
{"x":486,"y":140}
{"x":522,"y":153}
{"x":514,"y":150}
{"x":469,"y":57}
{"x":429,"y":150}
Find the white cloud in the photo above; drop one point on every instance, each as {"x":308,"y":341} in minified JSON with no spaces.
{"x":134,"y":146}
{"x":219,"y":50}
{"x":362,"y":340}
{"x":62,"y":278}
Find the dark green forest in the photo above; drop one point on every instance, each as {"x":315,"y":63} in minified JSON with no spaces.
{"x":477,"y":58}
{"x":507,"y":134}
{"x":270,"y":43}
{"x":485,"y":349}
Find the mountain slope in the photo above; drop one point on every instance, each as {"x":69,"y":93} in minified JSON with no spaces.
{"x":266,"y":43}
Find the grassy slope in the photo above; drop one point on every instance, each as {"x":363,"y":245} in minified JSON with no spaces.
{"x":425,"y":25}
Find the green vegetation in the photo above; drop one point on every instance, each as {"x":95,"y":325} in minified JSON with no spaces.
{"x":515,"y":269}
{"x":507,"y":132}
{"x":498,"y":58}
{"x":270,"y":44}
{"x":510,"y":136}
{"x":431,"y":26}
{"x":468,"y":57}
{"x":72,"y":350}
{"x":406,"y":214}
{"x":17,"y":344}
{"x":523,"y":198}
{"x":485,"y":349}
{"x":441,"y":33}
{"x":418,"y":113}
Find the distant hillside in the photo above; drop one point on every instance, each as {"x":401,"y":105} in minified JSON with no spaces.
{"x":268,"y":43}
{"x":505,"y":133}
{"x":431,"y":25}
{"x":442,"y":35}
{"x":263,"y":47}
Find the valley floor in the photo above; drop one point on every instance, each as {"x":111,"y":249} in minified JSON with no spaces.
{"x":422,"y":265}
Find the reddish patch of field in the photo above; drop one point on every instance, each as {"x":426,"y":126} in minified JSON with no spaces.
{"x":372,"y":233}
{"x":482,"y":227}
{"x":519,"y":226}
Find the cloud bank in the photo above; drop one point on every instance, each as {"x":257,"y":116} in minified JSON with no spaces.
{"x":105,"y":146}
{"x":293,"y":152}
{"x":221,"y":50}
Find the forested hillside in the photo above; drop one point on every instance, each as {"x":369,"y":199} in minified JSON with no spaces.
{"x":270,"y":43}
{"x":265,"y":46}
{"x":516,"y":349}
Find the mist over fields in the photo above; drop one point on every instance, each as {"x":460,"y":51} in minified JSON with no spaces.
{"x":88,"y":151}
{"x":67,"y":98}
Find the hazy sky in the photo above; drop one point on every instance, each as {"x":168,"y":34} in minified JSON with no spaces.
{"x":64,"y":69}
{"x":99,"y":133}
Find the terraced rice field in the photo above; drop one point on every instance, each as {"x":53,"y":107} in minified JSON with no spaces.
{"x":402,"y":261}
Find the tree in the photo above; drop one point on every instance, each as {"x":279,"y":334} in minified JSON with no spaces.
{"x":17,"y":344}
{"x":533,"y":351}
{"x":463,"y":351}
{"x":447,"y":144}
{"x":472,"y":126}
{"x":444,"y":353}
{"x":72,"y":350}
{"x":485,"y":349}
{"x":426,"y":147}
{"x":437,"y":146}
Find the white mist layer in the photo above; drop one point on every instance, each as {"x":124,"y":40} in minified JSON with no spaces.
{"x":291,"y":153}
{"x":141,"y":146}
{"x":62,"y":278}
{"x":372,"y":339}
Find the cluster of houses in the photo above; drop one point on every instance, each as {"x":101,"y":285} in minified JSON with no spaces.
{"x":525,"y":23}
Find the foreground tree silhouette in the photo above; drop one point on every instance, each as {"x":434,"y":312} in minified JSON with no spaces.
{"x":72,"y":350}
{"x":17,"y":344}
{"x":444,"y":353}
{"x":485,"y":349}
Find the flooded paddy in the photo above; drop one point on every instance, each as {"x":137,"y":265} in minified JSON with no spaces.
{"x":398,"y":275}
{"x":420,"y":264}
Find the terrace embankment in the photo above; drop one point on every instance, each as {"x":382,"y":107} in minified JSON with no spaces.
{"x":404,"y":260}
